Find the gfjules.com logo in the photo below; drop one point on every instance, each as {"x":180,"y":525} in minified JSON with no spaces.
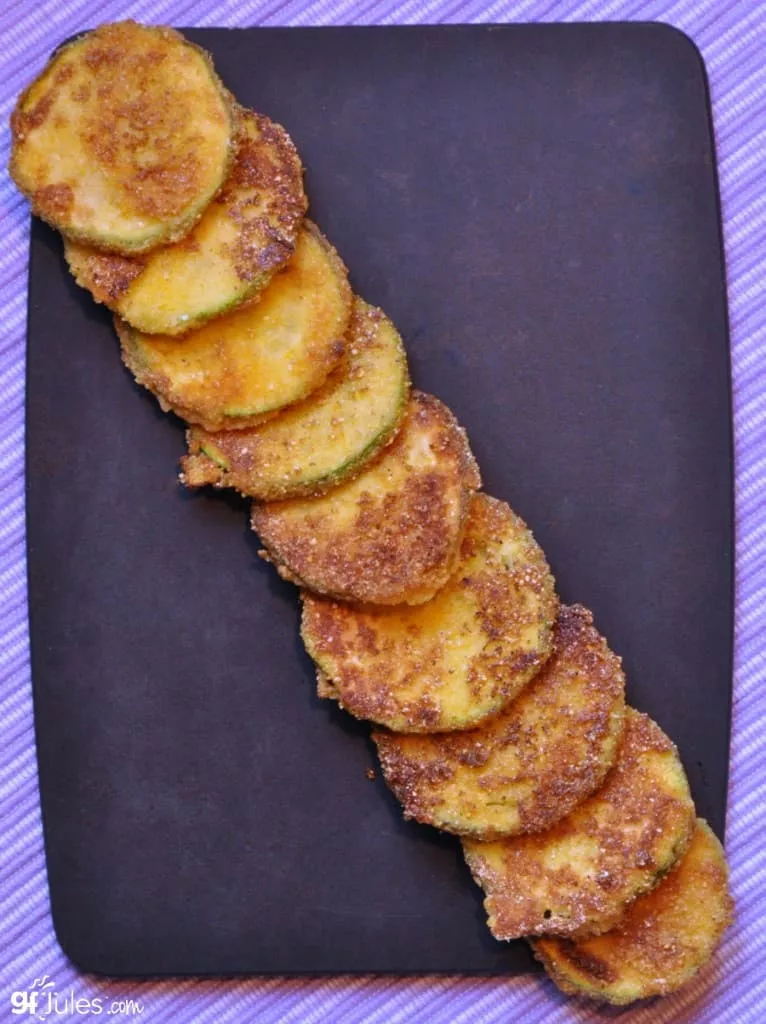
{"x":41,"y":1001}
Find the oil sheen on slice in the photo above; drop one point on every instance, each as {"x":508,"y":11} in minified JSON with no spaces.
{"x":246,"y":365}
{"x":245,"y":236}
{"x":391,"y":535}
{"x":530,"y":765}
{"x":124,"y":138}
{"x":662,"y":941}
{"x":579,"y":876}
{"x":320,"y":442}
{"x":455,"y":660}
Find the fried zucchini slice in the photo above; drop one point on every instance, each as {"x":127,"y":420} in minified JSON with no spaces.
{"x":578,"y":878}
{"x":391,"y":535}
{"x":323,"y":441}
{"x":529,"y":766}
{"x":446,"y":664}
{"x":262,"y":357}
{"x":246,"y":234}
{"x":663,"y":940}
{"x":124,"y":138}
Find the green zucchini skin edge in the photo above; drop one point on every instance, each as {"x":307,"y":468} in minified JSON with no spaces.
{"x":161,"y":234}
{"x":147,"y":322}
{"x":235,"y":299}
{"x":131,"y":357}
{"x":314,"y":486}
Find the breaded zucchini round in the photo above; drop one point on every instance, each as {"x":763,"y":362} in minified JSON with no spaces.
{"x":236,"y":369}
{"x":447,"y":664}
{"x":245,"y":235}
{"x":663,"y":940}
{"x":529,"y":766}
{"x":323,"y":441}
{"x":124,"y":138}
{"x":391,"y":535}
{"x":578,"y":878}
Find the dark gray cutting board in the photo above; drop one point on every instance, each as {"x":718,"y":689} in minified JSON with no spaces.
{"x":536,"y":208}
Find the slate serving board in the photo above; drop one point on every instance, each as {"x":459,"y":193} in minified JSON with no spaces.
{"x":536,"y":207}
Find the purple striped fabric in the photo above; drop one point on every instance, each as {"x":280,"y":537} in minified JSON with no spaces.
{"x":732,"y":38}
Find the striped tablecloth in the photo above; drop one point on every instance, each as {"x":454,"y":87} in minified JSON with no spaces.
{"x":732,"y":38}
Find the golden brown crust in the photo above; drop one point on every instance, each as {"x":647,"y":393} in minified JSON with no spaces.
{"x":532,"y":763}
{"x":118,"y":153}
{"x":329,"y":438}
{"x":107,"y":275}
{"x":457,"y":659}
{"x":269,"y":173}
{"x":391,"y":535}
{"x":246,"y":234}
{"x":662,"y":941}
{"x":130,"y":144}
{"x":578,"y":877}
{"x":239,"y":369}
